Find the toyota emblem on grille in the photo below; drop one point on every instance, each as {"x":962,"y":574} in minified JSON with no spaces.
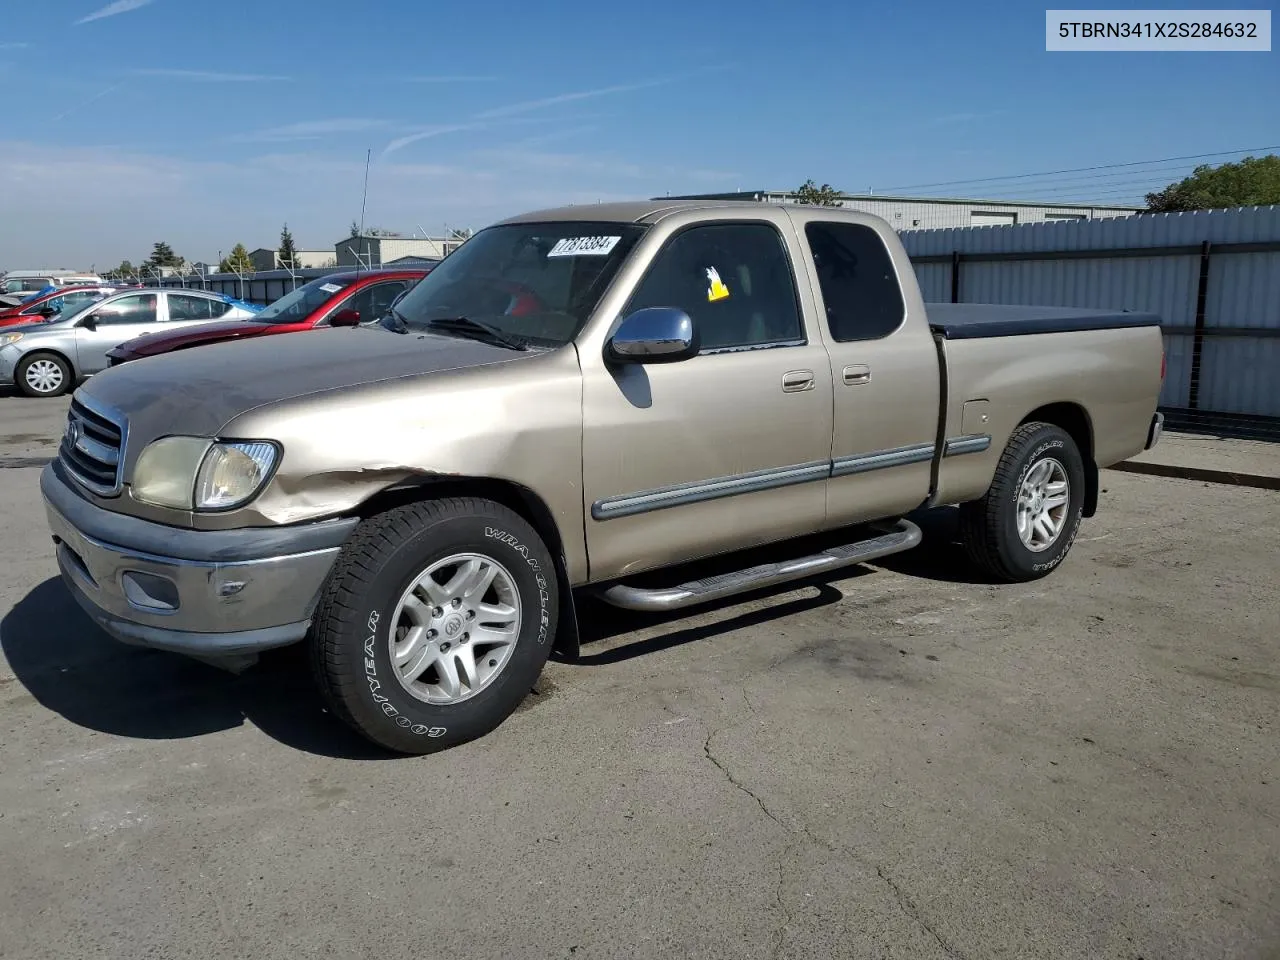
{"x":73,"y":433}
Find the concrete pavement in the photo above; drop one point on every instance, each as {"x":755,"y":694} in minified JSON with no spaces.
{"x":899,"y":763}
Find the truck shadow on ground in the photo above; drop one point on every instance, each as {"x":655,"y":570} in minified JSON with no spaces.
{"x":939,"y":558}
{"x":74,"y":669}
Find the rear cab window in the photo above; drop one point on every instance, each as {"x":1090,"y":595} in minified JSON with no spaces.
{"x":860,"y":289}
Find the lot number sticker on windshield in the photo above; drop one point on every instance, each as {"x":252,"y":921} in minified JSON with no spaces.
{"x":330,"y":287}
{"x":584,"y":247}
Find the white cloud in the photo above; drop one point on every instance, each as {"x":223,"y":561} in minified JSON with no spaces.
{"x":98,"y":203}
{"x":113,"y":9}
{"x":14,"y":46}
{"x":528,"y":105}
{"x":205,"y":76}
{"x":426,"y":133}
{"x":309,"y":130}
{"x":84,"y":103}
{"x":449,"y":79}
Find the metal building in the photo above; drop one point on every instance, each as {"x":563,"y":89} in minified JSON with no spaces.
{"x":375,"y":251}
{"x":933,"y":213}
{"x":267,"y":259}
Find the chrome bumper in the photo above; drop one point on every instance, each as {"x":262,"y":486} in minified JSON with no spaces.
{"x":1155,"y":430}
{"x":207,"y":594}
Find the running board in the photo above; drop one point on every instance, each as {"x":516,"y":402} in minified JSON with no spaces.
{"x":902,"y":535}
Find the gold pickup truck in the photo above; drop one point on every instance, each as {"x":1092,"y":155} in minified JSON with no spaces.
{"x":574,"y":398}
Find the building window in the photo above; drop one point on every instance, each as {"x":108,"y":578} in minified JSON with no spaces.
{"x":1065,"y":216}
{"x":991,"y":218}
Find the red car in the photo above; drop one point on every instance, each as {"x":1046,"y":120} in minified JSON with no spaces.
{"x":47,"y":305}
{"x":338,"y":299}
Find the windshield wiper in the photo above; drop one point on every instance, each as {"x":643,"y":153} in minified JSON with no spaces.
{"x":478,"y":330}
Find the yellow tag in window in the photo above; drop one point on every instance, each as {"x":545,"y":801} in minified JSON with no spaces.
{"x":716,"y":290}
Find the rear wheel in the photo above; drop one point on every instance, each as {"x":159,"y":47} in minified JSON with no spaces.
{"x":1027,"y":521}
{"x":44,"y":375}
{"x":435,"y":623}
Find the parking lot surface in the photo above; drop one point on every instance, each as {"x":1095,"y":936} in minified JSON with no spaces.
{"x":899,"y":763}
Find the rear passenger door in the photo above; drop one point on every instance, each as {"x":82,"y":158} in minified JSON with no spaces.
{"x":728,"y":448}
{"x":884,"y":370}
{"x":186,"y":309}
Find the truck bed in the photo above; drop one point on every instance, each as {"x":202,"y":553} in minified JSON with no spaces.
{"x":971,"y":321}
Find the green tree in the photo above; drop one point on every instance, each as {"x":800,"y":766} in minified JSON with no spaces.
{"x":238,"y":261}
{"x":287,"y":252}
{"x":820,"y":196}
{"x":162,"y":255}
{"x":1254,"y":181}
{"x":355,"y":229}
{"x":126,"y":269}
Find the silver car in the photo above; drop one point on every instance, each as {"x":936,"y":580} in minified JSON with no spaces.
{"x":48,"y":359}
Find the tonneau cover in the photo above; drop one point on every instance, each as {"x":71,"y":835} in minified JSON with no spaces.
{"x":968,"y":321}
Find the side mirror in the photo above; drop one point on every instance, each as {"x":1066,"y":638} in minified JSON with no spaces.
{"x":345,"y":318}
{"x":88,"y":323}
{"x":48,"y":312}
{"x":653,"y":335}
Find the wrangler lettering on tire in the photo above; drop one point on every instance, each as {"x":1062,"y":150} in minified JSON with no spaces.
{"x":1025,"y":525}
{"x":434,"y":623}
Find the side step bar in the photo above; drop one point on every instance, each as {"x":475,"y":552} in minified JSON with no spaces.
{"x":902,"y":535}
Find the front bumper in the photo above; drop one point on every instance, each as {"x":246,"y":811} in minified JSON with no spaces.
{"x":207,"y":594}
{"x":9,"y":357}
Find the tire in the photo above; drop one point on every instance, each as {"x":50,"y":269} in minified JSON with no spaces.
{"x":44,"y":368}
{"x":361,"y":608}
{"x":990,"y":528}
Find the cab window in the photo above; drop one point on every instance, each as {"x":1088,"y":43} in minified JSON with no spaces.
{"x":734,"y":280}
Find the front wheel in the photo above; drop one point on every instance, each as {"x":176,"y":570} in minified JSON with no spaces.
{"x":44,"y":375}
{"x":435,"y":622}
{"x":1028,"y":519}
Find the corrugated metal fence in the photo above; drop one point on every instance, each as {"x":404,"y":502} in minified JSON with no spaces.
{"x":261,"y":288}
{"x":1213,"y":276}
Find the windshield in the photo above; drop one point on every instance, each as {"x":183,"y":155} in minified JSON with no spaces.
{"x":537,"y":282}
{"x":301,"y":303}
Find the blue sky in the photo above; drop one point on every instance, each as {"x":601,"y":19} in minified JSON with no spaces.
{"x":206,"y":125}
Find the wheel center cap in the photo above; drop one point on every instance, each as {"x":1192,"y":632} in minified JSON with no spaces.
{"x":453,"y":626}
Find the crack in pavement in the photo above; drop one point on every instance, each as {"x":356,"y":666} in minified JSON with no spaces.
{"x":909,"y":908}
{"x":904,"y":902}
{"x":780,"y":935}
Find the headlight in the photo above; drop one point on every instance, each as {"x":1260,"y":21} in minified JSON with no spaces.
{"x":8,"y":338}
{"x":192,"y":473}
{"x":232,"y":473}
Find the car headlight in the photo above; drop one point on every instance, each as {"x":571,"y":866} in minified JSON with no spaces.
{"x":192,"y":473}
{"x":8,"y":338}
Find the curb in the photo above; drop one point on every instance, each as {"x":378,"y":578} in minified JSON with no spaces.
{"x":1257,"y":480}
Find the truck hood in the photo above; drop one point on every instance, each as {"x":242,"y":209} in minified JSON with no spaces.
{"x":197,"y":392}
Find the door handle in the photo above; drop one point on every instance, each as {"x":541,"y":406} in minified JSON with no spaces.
{"x":797,"y":381}
{"x":856,"y":373}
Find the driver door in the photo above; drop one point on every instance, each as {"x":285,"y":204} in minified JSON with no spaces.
{"x":724,"y":450}
{"x":113,"y":323}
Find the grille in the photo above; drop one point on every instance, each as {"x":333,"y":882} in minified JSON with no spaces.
{"x":92,"y":446}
